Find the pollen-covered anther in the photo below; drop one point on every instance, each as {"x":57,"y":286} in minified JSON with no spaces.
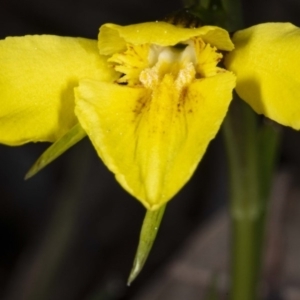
{"x":185,"y":76}
{"x":171,"y":61}
{"x":149,"y":77}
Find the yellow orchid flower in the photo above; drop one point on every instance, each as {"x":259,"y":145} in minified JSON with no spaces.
{"x":150,"y":96}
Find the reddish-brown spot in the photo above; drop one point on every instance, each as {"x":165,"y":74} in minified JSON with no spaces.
{"x":181,"y":99}
{"x":141,"y":105}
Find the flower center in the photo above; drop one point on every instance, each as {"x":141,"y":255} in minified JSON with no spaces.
{"x":147,"y":64}
{"x":180,"y":64}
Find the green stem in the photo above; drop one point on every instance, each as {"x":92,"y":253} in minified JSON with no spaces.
{"x":247,"y":242}
{"x":245,"y":201}
{"x":234,"y":14}
{"x":252,"y":153}
{"x":251,"y":166}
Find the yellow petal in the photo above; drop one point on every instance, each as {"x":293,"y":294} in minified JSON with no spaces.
{"x":113,"y":38}
{"x":153,"y":142}
{"x":37,"y":78}
{"x":267,"y":64}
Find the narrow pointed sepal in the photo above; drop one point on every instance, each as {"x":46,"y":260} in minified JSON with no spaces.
{"x":266,"y":62}
{"x":72,"y":137}
{"x":148,"y":234}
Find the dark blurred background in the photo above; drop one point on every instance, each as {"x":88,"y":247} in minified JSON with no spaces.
{"x":71,"y":231}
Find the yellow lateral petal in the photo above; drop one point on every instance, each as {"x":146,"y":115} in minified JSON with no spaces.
{"x":37,"y":78}
{"x":266,"y":62}
{"x":153,"y":144}
{"x":113,"y":38}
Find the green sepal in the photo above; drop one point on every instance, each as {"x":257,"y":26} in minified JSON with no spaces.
{"x":72,"y":137}
{"x":148,"y":233}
